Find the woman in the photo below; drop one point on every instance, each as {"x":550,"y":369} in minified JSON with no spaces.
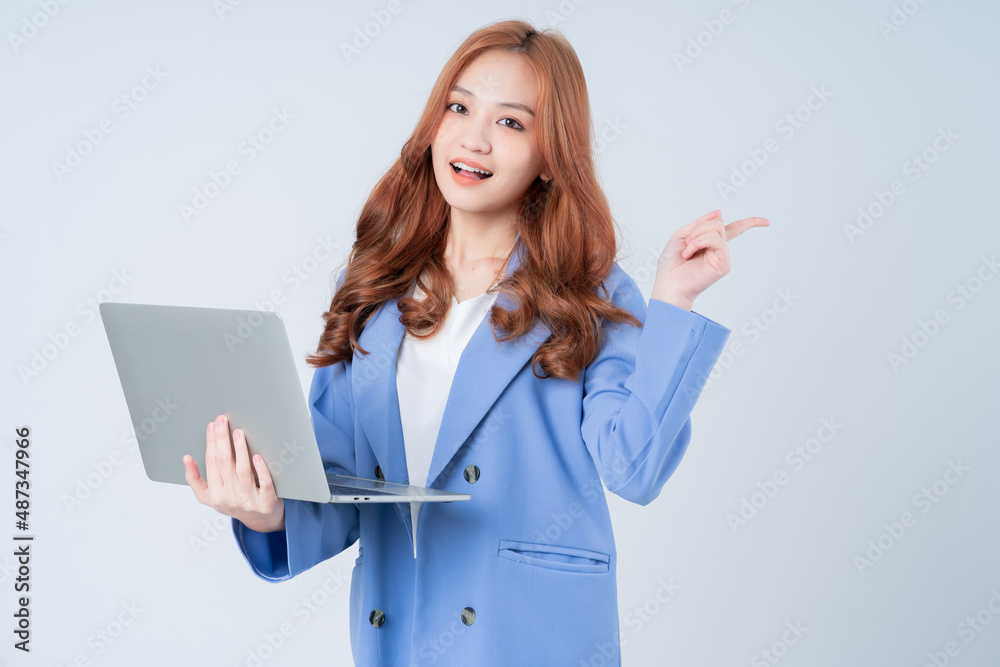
{"x":484,"y":269}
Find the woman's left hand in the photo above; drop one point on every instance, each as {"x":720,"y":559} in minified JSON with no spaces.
{"x":696,"y":256}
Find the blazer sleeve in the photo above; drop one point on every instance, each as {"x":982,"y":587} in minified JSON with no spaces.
{"x":641,"y":387}
{"x":313,"y":532}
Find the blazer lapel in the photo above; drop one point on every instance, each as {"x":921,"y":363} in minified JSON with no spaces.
{"x":484,"y":370}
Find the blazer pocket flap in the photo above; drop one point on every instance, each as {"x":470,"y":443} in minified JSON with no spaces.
{"x":554,"y":556}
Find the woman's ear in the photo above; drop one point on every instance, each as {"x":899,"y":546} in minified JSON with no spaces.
{"x":545,"y":177}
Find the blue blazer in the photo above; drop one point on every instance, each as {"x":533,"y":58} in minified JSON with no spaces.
{"x":524,"y":572}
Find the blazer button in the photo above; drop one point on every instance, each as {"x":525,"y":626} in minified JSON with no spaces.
{"x":377,"y":618}
{"x":468,"y":616}
{"x":378,"y":474}
{"x":471,"y":474}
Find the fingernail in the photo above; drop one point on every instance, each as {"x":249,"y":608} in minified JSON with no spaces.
{"x":211,"y":426}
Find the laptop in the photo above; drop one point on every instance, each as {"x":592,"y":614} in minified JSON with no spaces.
{"x":180,"y":367}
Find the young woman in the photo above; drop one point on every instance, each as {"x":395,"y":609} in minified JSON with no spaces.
{"x":483,"y":339}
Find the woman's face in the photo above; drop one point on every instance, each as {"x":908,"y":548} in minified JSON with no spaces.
{"x":489,"y":124}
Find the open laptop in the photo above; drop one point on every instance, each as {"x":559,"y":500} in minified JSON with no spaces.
{"x":180,"y":367}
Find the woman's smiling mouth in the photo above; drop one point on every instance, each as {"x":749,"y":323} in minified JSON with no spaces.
{"x":469,"y":171}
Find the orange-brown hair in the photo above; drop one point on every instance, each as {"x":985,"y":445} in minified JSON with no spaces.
{"x":565,"y":225}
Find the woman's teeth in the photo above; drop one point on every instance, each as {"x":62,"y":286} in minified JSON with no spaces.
{"x":470,"y":171}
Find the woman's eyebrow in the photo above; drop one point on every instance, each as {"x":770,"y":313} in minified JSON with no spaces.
{"x":512,"y":105}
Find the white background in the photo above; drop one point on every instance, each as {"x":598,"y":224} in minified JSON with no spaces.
{"x":817,"y":311}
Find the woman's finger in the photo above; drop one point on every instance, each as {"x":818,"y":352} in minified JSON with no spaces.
{"x":224,"y":453}
{"x":244,"y":474}
{"x":688,"y":229}
{"x":267,"y":493}
{"x":711,"y":238}
{"x":195,"y":480}
{"x":734,"y":229}
{"x":211,"y":465}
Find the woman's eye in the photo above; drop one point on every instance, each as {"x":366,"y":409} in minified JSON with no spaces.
{"x":455,"y":104}
{"x":519,"y":126}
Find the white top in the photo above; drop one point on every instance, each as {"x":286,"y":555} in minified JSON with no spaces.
{"x":424,"y":372}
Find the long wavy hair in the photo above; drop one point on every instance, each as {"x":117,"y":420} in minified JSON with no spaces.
{"x":565,"y":225}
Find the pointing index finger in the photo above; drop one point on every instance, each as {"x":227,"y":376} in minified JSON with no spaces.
{"x":734,"y":229}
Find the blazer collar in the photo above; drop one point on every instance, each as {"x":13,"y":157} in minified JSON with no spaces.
{"x":484,"y":370}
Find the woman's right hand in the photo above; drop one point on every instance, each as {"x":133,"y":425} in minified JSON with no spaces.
{"x":230,"y":488}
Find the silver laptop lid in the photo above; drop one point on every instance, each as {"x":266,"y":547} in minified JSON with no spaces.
{"x":180,"y":367}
